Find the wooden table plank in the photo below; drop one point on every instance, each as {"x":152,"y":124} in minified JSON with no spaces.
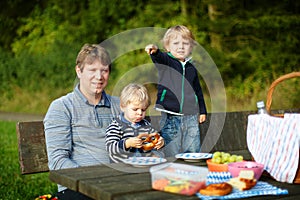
{"x":151,"y":195}
{"x":71,"y":177}
{"x":106,"y":183}
{"x":109,"y":187}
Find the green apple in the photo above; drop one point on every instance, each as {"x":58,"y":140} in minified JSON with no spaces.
{"x":239,"y":158}
{"x":217,"y":154}
{"x":216,"y":160}
{"x":231,"y":159}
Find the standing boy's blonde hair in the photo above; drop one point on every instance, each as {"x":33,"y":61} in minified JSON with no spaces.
{"x":174,"y":31}
{"x":134,"y":93}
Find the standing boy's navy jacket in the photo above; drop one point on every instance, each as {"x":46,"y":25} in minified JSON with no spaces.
{"x":178,"y":87}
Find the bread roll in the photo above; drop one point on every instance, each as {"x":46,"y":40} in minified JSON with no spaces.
{"x":216,"y":189}
{"x":244,"y":181}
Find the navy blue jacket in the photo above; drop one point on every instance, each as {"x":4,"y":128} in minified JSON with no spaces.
{"x":178,"y":87}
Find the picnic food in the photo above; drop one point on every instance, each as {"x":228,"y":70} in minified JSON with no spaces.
{"x":178,"y":178}
{"x":219,"y":161}
{"x":224,"y":158}
{"x":215,"y":167}
{"x":186,"y":187}
{"x":149,"y":140}
{"x":244,"y":181}
{"x":216,"y":189}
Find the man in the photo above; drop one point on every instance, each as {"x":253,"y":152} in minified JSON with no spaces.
{"x":75,"y":124}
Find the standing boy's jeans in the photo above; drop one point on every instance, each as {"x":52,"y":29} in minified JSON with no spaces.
{"x":181,"y":134}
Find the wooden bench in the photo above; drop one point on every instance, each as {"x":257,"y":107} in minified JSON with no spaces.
{"x":32,"y":147}
{"x":225,"y":132}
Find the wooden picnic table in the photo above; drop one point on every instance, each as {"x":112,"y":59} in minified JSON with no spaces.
{"x":119,"y":181}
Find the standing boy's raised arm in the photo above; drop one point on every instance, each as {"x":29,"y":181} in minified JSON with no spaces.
{"x":151,"y":48}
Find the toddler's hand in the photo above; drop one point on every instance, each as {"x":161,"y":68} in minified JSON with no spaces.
{"x":160,"y":143}
{"x":133,"y":142}
{"x":151,"y":48}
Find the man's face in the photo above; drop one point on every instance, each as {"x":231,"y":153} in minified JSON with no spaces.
{"x":93,"y":78}
{"x":180,"y":47}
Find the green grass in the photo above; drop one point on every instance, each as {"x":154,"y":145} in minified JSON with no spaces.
{"x":13,"y":185}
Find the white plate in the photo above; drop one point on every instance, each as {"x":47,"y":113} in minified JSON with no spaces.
{"x":144,"y":161}
{"x":193,"y":157}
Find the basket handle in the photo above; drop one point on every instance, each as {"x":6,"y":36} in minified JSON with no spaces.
{"x":272,"y":87}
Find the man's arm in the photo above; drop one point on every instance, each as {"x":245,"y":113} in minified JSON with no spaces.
{"x":58,"y":135}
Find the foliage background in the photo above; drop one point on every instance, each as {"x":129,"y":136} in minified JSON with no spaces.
{"x":252,"y":42}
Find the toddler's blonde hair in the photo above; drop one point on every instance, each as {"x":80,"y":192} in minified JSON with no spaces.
{"x":135,"y":93}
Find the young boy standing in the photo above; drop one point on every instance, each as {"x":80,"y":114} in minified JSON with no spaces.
{"x":123,"y":135}
{"x":179,"y":97}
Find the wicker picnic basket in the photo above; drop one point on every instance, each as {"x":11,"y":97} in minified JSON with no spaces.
{"x":269,"y":102}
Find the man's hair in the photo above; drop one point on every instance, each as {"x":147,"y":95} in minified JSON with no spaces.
{"x":134,"y":93}
{"x":174,"y":31}
{"x":91,"y":52}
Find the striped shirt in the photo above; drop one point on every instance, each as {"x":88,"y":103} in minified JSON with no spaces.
{"x":75,"y":130}
{"x":116,"y":134}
